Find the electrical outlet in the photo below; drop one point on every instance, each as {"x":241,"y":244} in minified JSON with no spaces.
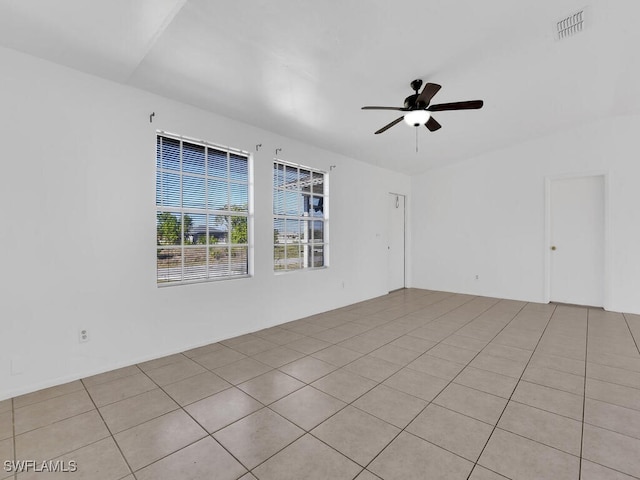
{"x":83,"y":335}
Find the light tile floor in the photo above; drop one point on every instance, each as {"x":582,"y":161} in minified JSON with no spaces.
{"x":416,"y":384}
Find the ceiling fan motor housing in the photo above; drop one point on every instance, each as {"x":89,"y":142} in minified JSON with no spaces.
{"x":410,"y":101}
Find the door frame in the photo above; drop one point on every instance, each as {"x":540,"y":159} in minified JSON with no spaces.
{"x":404,"y":242}
{"x":606,"y":294}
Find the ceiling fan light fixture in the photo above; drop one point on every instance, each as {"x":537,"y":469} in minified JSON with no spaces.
{"x":415,"y":118}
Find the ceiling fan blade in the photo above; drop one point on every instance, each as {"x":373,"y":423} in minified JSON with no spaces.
{"x":402,"y":109}
{"x":388,"y":126}
{"x":429,"y":90}
{"x":432,"y":124}
{"x":468,"y":105}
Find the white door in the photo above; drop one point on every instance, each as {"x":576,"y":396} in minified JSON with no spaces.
{"x":395,"y":239}
{"x":577,"y":241}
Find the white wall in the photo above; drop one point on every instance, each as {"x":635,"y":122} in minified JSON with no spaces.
{"x":77,"y":242}
{"x":486,"y":216}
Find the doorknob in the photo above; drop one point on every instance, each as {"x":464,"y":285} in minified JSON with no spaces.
{"x":553,"y":247}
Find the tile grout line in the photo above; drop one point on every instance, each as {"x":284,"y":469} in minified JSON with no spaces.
{"x":57,"y":421}
{"x":531,"y":380}
{"x":519,"y":402}
{"x":614,"y":404}
{"x":180,"y":407}
{"x":106,"y":382}
{"x":631,"y":332}
{"x":71,"y":451}
{"x":513,"y":391}
{"x":107,"y":405}
{"x":612,"y":431}
{"x":557,"y":371}
{"x":584,"y":393}
{"x":616,"y":383}
{"x":110,"y":432}
{"x":50,"y":398}
{"x":536,"y":441}
{"x":376,"y":477}
{"x":626,"y":369}
{"x":614,"y":470}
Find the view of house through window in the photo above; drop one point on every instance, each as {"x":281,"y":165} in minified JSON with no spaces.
{"x":299,"y":217}
{"x":202,"y":210}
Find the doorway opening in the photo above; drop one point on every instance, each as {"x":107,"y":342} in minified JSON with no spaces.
{"x":396,"y":241}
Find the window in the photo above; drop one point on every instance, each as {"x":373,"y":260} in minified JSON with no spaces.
{"x":300,"y":218}
{"x":202,"y":211}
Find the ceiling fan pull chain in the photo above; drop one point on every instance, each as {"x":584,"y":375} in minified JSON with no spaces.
{"x":416,"y":129}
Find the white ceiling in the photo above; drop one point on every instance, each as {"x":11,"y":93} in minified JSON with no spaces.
{"x":304,"y":69}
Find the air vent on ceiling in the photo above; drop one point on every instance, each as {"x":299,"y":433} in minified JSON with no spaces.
{"x":570,"y":25}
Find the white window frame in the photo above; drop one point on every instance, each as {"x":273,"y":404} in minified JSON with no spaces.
{"x":302,"y":242}
{"x":207,"y":212}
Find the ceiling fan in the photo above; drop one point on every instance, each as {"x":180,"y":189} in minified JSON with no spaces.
{"x":419,"y":110}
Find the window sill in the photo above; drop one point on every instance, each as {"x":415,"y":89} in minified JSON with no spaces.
{"x":207,"y":280}
{"x":297,"y":270}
